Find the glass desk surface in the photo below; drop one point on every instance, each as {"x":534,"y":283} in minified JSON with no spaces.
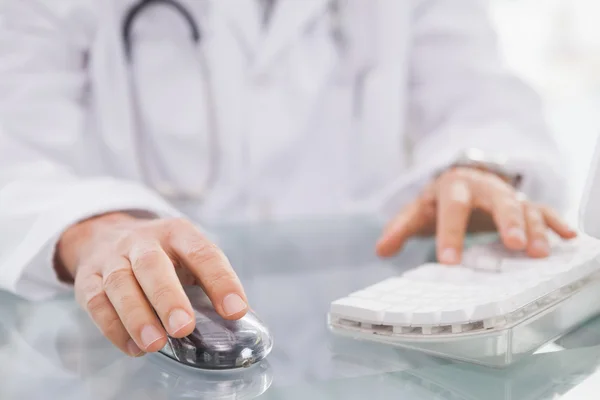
{"x":291,"y":272}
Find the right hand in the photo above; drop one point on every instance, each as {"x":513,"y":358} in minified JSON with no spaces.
{"x":125,"y":269}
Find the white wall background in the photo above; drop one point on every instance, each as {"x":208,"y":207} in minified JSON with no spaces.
{"x":555,"y":45}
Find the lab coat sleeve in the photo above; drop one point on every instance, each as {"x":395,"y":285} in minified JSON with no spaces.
{"x":463,"y":96}
{"x":42,"y":81}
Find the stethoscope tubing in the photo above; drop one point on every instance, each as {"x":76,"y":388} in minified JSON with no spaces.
{"x":212,"y":135}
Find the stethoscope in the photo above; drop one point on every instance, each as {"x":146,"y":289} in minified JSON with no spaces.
{"x":196,"y":36}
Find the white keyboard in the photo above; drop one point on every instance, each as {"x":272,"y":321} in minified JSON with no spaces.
{"x":493,"y":289}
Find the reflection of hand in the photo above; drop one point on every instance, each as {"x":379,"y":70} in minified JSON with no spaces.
{"x":468,"y":199}
{"x":125,"y":269}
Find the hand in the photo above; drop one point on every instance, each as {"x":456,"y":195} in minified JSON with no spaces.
{"x":470,"y":200}
{"x":125,"y":269}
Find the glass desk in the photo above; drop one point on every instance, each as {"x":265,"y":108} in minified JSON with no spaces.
{"x":291,"y":273}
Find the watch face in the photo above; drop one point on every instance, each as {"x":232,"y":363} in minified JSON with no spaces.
{"x":217,"y":343}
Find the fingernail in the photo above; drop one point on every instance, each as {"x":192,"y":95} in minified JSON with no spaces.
{"x":449,"y":256}
{"x":517,"y":233}
{"x":133,"y":348}
{"x":233,"y":304}
{"x":178,"y":319}
{"x":541,"y":245}
{"x":150,"y":335}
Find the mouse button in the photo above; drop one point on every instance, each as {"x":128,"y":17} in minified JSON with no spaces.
{"x":198,"y":298}
{"x":212,"y":335}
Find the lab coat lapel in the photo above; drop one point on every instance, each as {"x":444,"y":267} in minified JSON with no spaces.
{"x":243,"y":18}
{"x":289,"y":18}
{"x":116,"y":117}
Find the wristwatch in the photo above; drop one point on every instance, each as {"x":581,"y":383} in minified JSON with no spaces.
{"x":496,"y":164}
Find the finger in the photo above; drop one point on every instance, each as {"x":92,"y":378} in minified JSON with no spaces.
{"x":92,"y":298}
{"x":557,"y":224}
{"x":212,"y":269}
{"x":408,"y":223}
{"x":500,"y":199}
{"x":157,"y":277}
{"x":538,"y":245}
{"x":509,"y":216}
{"x":454,"y":209}
{"x":133,"y":308}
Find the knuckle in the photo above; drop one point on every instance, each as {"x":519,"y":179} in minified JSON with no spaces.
{"x":163,"y":294}
{"x":118,"y":279}
{"x":513,"y":212}
{"x":126,"y":240}
{"x":515,"y":221}
{"x":174,"y":224}
{"x":219,"y":279}
{"x":450,"y":175}
{"x":538,"y":234}
{"x":97,"y":304}
{"x":499,"y":184}
{"x":452,"y":234}
{"x":133,"y":315}
{"x":202,"y":252}
{"x":510,"y":205}
{"x":112,"y":328}
{"x":534,"y":214}
{"x":86,"y":285}
{"x":459,"y":203}
{"x":145,"y":258}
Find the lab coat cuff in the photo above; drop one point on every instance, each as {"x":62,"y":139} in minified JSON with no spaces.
{"x":37,"y":280}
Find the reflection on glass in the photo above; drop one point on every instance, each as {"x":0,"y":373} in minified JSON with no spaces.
{"x":180,"y":381}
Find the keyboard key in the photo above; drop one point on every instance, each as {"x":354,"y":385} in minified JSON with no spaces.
{"x":459,"y":313}
{"x":387,"y":285}
{"x":364,"y":294}
{"x":426,"y":315}
{"x":487,"y":310}
{"x":357,"y":309}
{"x":483,"y":262}
{"x":399,"y":314}
{"x":426,"y":272}
{"x":393,"y":298}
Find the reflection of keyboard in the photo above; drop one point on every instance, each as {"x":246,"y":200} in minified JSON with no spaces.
{"x":493,"y":289}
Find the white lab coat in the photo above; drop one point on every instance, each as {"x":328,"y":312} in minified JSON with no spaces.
{"x":298,"y":132}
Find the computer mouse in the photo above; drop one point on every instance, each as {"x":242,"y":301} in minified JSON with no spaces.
{"x":217,"y":343}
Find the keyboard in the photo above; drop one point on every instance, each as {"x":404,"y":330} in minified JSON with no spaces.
{"x":494,"y":289}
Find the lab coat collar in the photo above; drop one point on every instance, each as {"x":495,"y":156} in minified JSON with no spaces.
{"x":289,"y":19}
{"x":243,"y":18}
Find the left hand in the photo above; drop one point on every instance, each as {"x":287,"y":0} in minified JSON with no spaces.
{"x":465,"y":200}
